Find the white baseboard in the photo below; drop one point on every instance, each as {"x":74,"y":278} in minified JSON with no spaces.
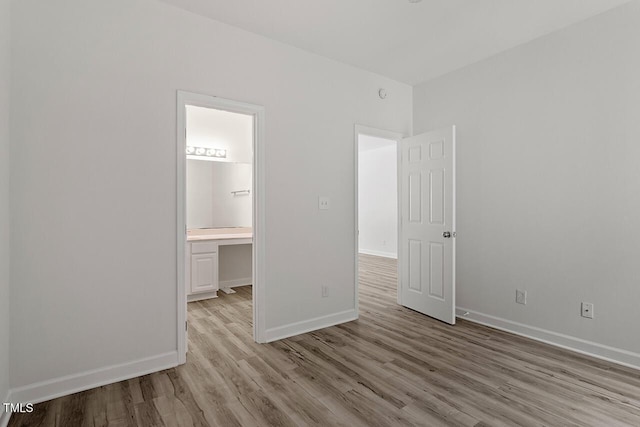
{"x":589,"y":348}
{"x":201,"y":296}
{"x":378,"y":253}
{"x":235,"y":282}
{"x":5,"y":416}
{"x":305,"y":326}
{"x":51,"y":389}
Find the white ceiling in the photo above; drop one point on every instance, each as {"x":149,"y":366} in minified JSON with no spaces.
{"x":367,"y":143}
{"x":409,"y":42}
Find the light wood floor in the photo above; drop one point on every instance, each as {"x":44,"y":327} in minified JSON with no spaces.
{"x":393,"y":367}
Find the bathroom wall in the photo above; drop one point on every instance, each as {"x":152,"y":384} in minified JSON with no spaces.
{"x":210,"y":183}
{"x":229,"y":209}
{"x":211,"y":128}
{"x":210,"y":199}
{"x":235,"y":265}
{"x":199,"y":194}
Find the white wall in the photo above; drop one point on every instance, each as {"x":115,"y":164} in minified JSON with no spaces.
{"x":199,"y":193}
{"x":378,"y":196}
{"x":5,"y":35}
{"x":94,"y":125}
{"x":210,"y":201}
{"x":235,"y":265}
{"x":548,"y":181}
{"x":212,"y":128}
{"x":232,"y":209}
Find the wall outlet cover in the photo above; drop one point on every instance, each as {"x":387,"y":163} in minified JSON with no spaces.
{"x":587,"y":310}
{"x":521,"y":297}
{"x":323,"y":203}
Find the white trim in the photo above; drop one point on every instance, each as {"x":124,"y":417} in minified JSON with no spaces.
{"x":258,"y":247}
{"x":202,"y":296}
{"x":379,"y":133}
{"x":5,"y":416}
{"x":379,"y":253}
{"x":399,"y":247}
{"x":397,"y":137}
{"x":578,"y":345}
{"x":181,"y":224}
{"x":454,"y":205}
{"x":259,"y":281}
{"x":235,"y":283}
{"x":310,"y":325}
{"x":63,"y":386}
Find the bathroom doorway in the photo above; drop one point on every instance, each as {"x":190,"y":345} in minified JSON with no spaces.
{"x":219,"y":210}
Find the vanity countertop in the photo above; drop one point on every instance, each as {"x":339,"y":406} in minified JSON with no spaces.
{"x":197,"y":234}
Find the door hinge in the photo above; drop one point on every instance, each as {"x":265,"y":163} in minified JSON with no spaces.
{"x":186,"y":326}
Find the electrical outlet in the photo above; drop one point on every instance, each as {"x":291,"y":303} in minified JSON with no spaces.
{"x":521,"y":297}
{"x":323,"y":203}
{"x":325,"y":291}
{"x":587,"y":310}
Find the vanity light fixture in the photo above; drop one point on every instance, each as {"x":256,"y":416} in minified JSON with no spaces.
{"x":206,"y":152}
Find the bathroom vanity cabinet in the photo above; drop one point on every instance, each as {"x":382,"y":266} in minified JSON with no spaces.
{"x":202,"y":258}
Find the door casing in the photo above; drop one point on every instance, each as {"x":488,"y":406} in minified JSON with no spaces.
{"x":258,"y":249}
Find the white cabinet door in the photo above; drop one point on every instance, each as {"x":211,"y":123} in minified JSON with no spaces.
{"x":204,"y":272}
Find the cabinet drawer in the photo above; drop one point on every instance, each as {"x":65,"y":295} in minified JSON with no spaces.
{"x":204,"y":247}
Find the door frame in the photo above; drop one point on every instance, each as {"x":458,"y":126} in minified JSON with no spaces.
{"x":258,"y":247}
{"x":380,"y":133}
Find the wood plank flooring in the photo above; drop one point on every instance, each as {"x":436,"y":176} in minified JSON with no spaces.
{"x":393,"y":367}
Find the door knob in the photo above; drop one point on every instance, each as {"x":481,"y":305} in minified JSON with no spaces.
{"x":446,"y":234}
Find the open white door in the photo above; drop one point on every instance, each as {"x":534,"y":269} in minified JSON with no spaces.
{"x":427,"y":214}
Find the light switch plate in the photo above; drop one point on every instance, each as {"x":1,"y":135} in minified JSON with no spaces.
{"x":323,"y":203}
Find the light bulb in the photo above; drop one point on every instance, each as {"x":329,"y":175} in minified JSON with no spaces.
{"x":199,"y":151}
{"x":190,"y":150}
